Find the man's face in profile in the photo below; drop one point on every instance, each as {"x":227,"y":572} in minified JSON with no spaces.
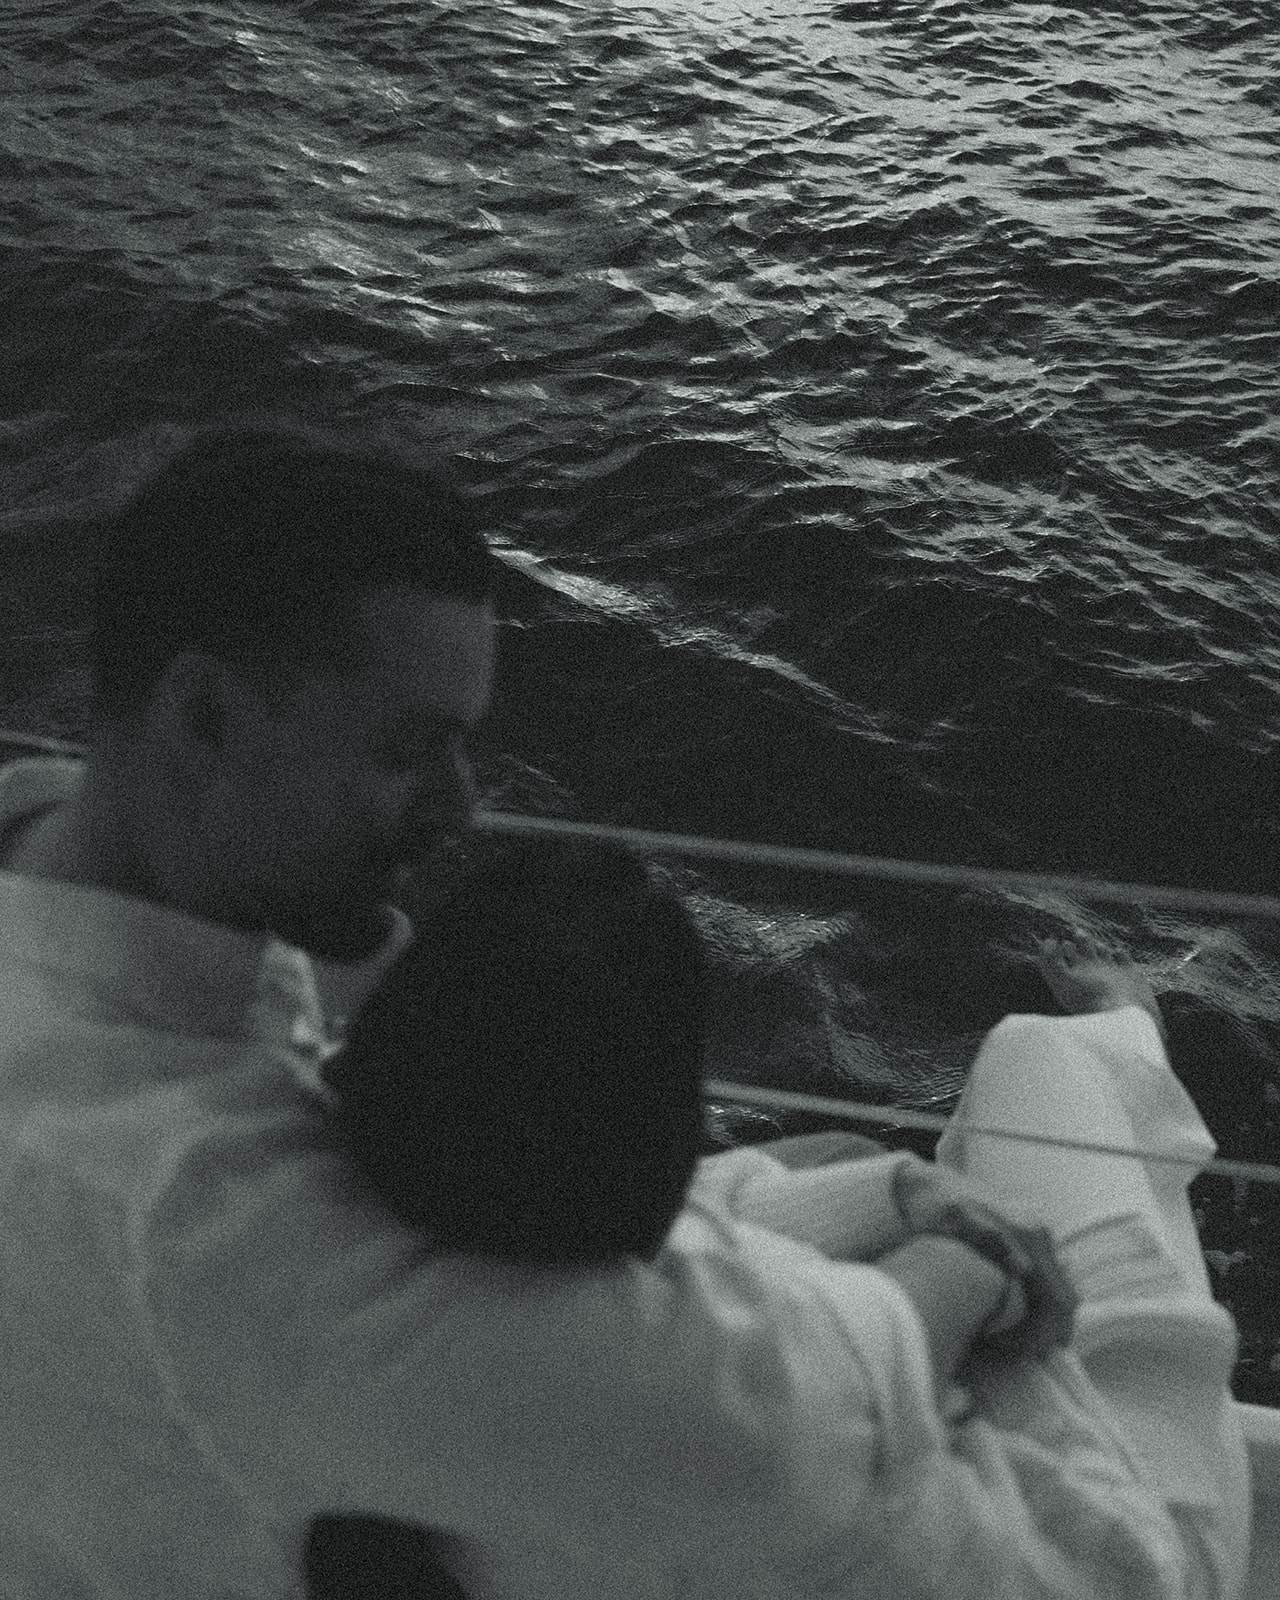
{"x":351,"y":776}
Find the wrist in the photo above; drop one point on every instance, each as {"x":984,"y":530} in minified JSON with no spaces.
{"x":1010,"y":1309}
{"x":997,"y":1298}
{"x":955,"y":1291}
{"x":987,"y":1279}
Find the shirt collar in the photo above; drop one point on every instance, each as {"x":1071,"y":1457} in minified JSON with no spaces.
{"x":144,"y":963}
{"x":130,"y":960}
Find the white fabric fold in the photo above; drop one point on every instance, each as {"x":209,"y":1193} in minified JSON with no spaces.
{"x":209,"y":1334}
{"x":1148,"y":1374}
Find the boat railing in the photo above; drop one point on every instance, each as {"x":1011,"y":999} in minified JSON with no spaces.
{"x":829,"y":863}
{"x":1260,"y":1424}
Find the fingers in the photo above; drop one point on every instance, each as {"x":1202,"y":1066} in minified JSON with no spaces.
{"x":1056,"y":955}
{"x":1077,"y":950}
{"x":1047,"y":953}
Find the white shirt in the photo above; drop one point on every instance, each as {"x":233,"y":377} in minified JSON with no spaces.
{"x":207,"y":1334}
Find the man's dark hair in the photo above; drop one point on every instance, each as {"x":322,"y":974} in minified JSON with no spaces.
{"x":526,"y":1081}
{"x":252,"y":543}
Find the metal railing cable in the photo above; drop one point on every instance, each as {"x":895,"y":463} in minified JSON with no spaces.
{"x":715,"y":1089}
{"x":695,"y":847}
{"x":833,"y":863}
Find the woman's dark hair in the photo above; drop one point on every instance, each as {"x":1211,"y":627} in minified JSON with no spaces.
{"x":526,"y":1080}
{"x":252,"y":543}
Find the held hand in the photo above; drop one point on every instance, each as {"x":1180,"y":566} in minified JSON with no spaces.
{"x":932,"y":1199}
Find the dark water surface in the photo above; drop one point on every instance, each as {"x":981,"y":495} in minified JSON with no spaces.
{"x":894,"y":385}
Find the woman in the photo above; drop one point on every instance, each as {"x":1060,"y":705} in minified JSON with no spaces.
{"x":525,"y":1084}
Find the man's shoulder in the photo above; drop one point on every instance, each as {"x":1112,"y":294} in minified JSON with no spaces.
{"x":38,"y":779}
{"x":31,"y":785}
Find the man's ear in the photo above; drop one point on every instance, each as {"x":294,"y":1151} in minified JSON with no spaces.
{"x":197,"y":702}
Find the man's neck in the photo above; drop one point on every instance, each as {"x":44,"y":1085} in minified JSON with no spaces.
{"x":75,"y":842}
{"x":79,"y":841}
{"x":37,"y":845}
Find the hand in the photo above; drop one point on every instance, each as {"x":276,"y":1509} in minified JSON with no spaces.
{"x":1084,"y":976}
{"x":932,"y":1199}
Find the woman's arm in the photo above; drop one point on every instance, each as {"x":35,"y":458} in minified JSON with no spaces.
{"x":864,"y":1209}
{"x":955,"y":1291}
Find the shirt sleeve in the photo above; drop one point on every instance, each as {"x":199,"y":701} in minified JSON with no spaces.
{"x":321,"y":1356}
{"x":845,"y":1209}
{"x":742,"y":1398}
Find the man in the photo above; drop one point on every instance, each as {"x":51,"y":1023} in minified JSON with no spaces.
{"x":281,"y":707}
{"x":291,"y":643}
{"x":209,"y":1335}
